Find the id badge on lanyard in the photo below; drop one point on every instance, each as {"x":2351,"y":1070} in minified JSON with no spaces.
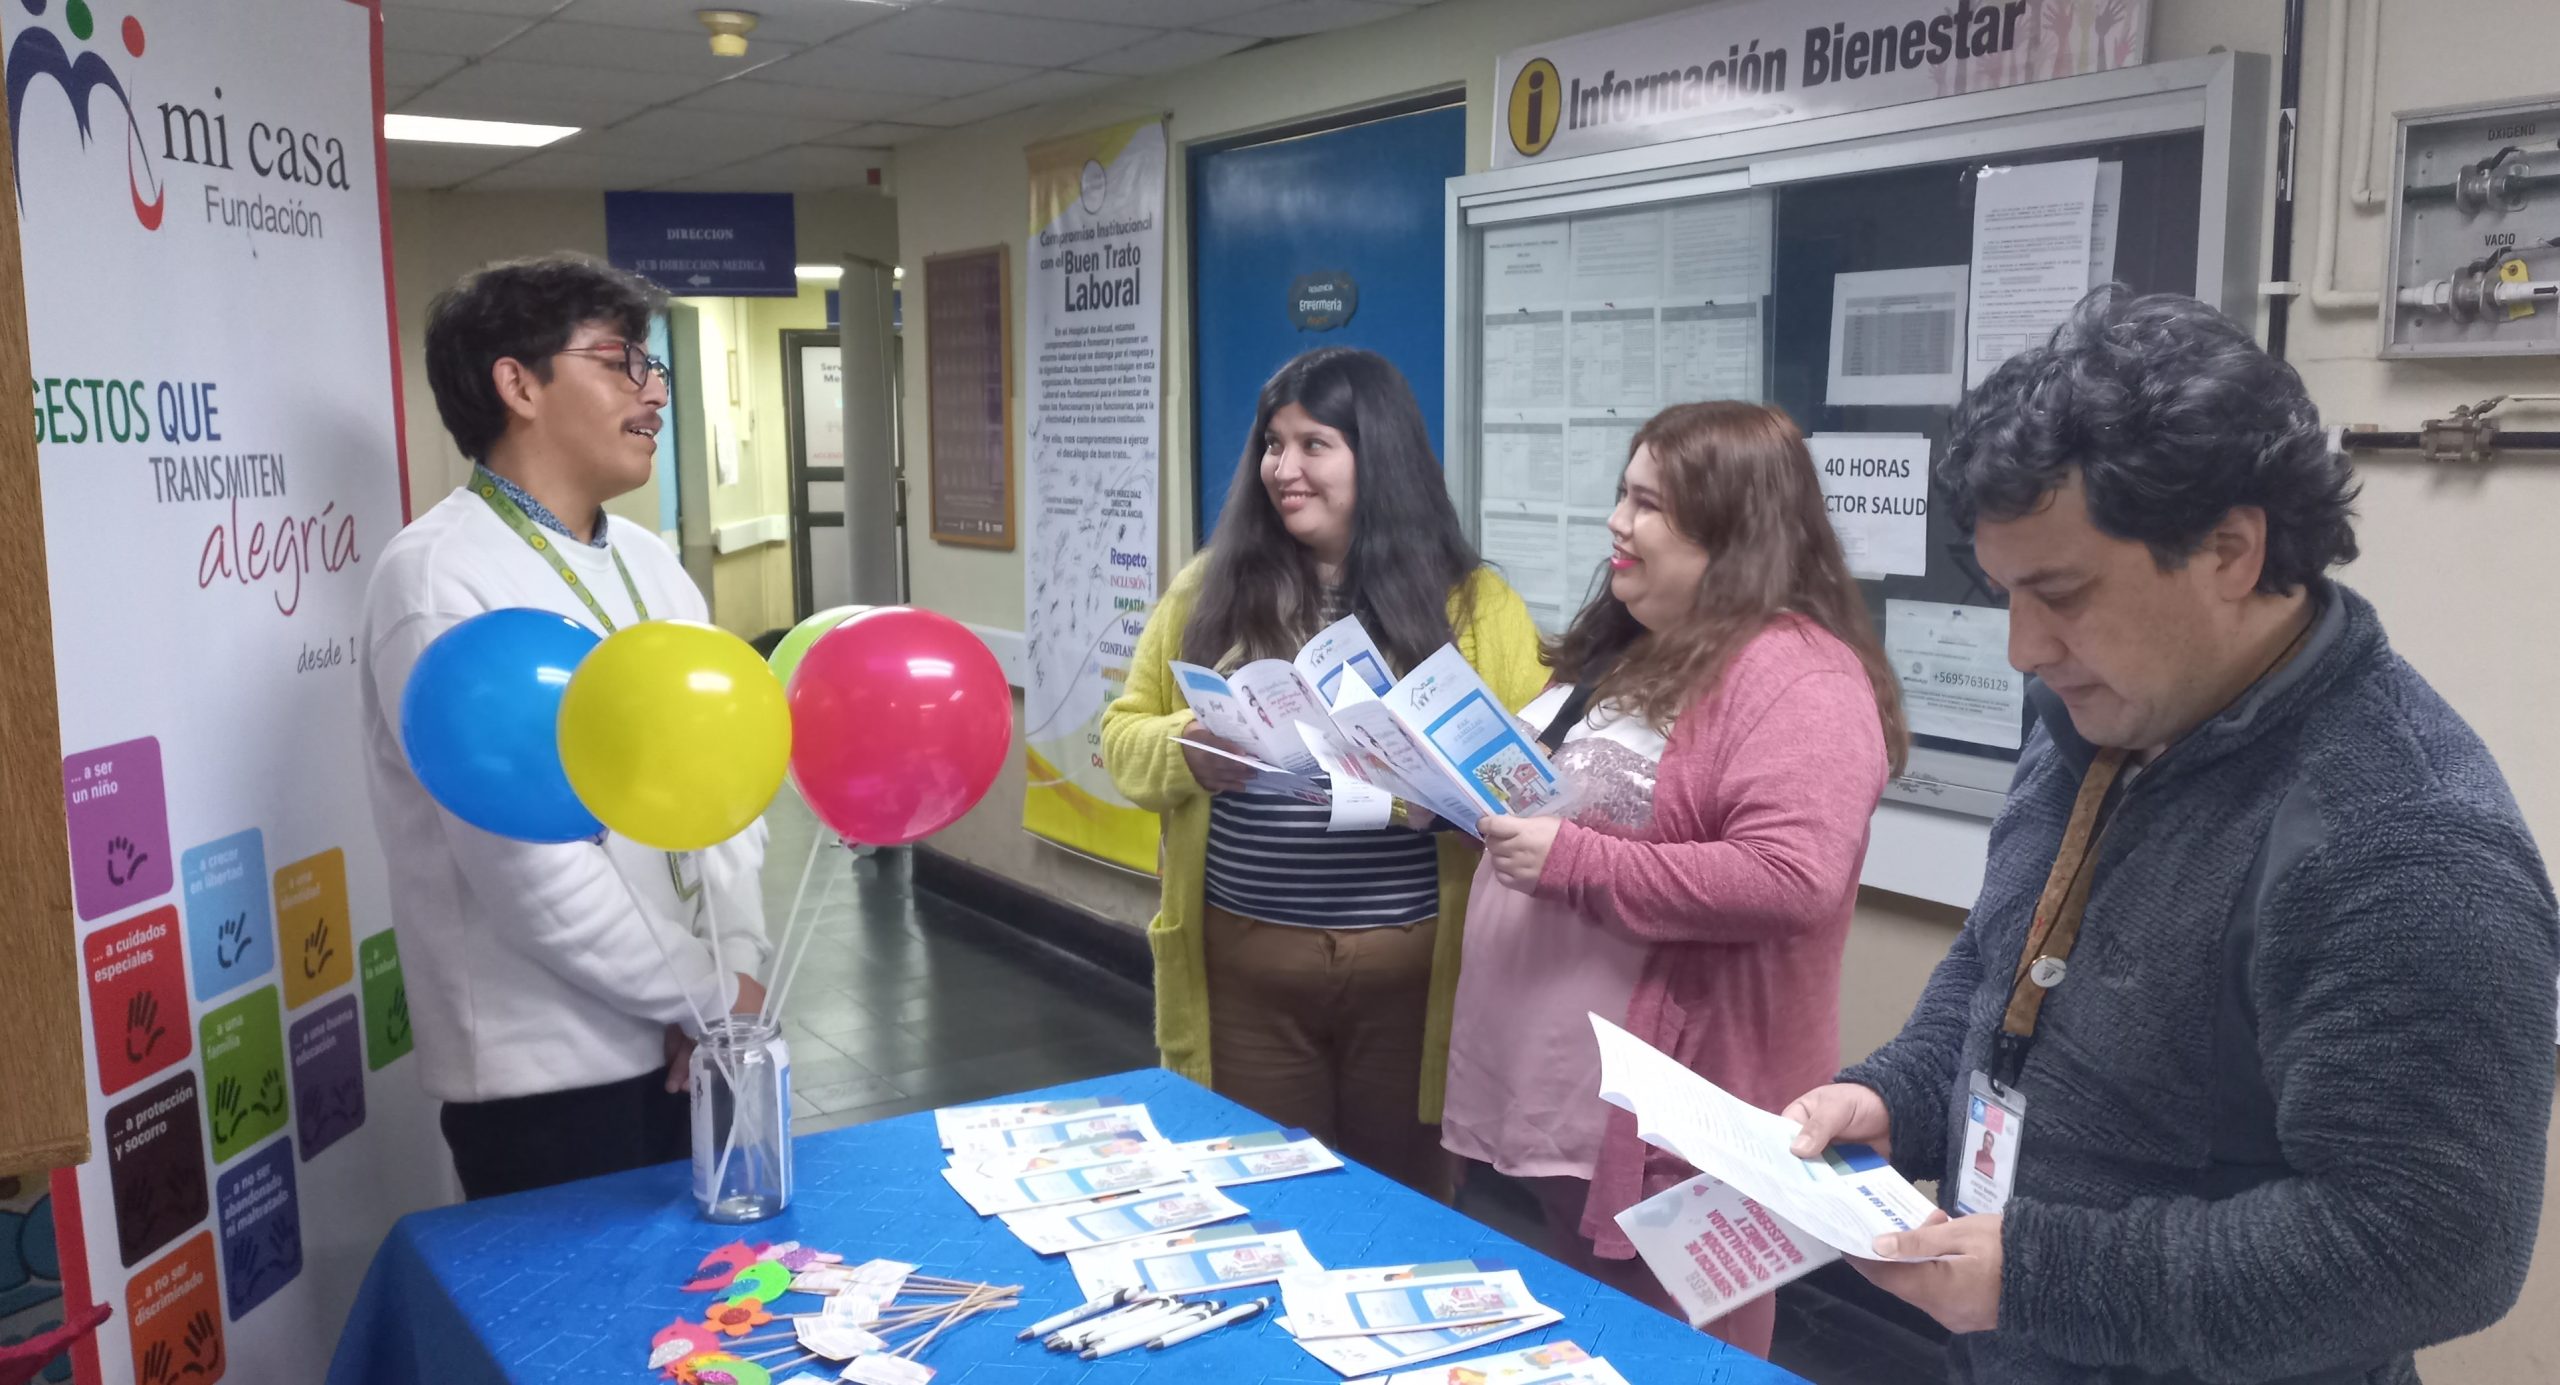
{"x":1995,"y":1123}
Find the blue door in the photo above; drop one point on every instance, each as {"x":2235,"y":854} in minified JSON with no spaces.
{"x":1364,"y":202}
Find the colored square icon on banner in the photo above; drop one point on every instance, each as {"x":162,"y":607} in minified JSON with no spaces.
{"x":243,"y":1072}
{"x":118,"y":810}
{"x":328,"y":1074}
{"x":155,"y":1166}
{"x":312,"y":927}
{"x":231,"y":935}
{"x":174,"y":1312}
{"x":387,"y":1036}
{"x":261,"y":1227}
{"x":137,"y":997}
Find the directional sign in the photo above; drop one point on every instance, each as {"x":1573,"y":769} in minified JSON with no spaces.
{"x":705,"y":244}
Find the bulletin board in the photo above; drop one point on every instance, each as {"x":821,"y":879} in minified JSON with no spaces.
{"x":969,"y":398}
{"x":1859,"y":271}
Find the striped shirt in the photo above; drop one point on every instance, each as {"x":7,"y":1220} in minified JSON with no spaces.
{"x":1271,"y":859}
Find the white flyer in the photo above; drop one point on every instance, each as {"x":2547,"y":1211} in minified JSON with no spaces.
{"x":1233,"y":1160}
{"x":1953,"y":663}
{"x":1846,"y":1198}
{"x":1897,"y":336}
{"x":1256,"y":708}
{"x":1524,"y":266}
{"x":1340,"y":651}
{"x":1024,"y":1163}
{"x":953,"y":1123}
{"x":1212,"y":1257}
{"x":2032,"y":225}
{"x":1720,"y":248}
{"x":1081,"y":1183}
{"x":1553,"y":1363}
{"x":2103,"y":216}
{"x":1715,"y":1249}
{"x":1876,"y":488}
{"x":1056,"y":1230}
{"x":1126,"y":1121}
{"x":1322,"y":1306}
{"x":1369,"y":1355}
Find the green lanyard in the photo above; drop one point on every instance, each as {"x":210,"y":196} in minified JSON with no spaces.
{"x":484,"y":484}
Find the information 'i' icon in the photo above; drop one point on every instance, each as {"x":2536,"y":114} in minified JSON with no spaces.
{"x":1537,"y":106}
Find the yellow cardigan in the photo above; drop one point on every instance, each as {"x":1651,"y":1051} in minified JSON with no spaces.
{"x":1137,"y":746}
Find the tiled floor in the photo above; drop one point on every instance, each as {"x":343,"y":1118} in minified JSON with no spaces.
{"x":909,"y":1001}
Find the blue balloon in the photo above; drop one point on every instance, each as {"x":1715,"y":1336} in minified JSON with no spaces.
{"x":481,"y":722}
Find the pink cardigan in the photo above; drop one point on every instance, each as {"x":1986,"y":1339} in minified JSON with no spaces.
{"x":1744,"y":884}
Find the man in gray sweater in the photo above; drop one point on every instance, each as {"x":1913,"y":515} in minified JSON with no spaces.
{"x":2241,"y":1068}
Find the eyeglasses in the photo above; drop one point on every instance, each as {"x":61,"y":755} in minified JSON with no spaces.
{"x":635,"y":360}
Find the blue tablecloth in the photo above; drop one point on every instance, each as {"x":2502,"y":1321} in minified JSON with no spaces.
{"x":568,"y":1284}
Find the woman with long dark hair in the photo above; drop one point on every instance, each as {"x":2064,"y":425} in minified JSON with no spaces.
{"x":1727,"y":720}
{"x":1307,"y":974}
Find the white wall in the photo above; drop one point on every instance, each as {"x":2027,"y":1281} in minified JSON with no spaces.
{"x":2451,"y":557}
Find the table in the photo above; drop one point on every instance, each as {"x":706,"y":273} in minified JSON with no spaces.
{"x":569,"y":1283}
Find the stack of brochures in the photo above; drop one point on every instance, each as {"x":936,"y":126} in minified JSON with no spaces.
{"x":1093,"y":1174}
{"x":1331,"y":727}
{"x":1368,"y":1321}
{"x":1555,"y":1363}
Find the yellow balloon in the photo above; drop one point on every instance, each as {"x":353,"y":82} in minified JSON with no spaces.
{"x":675,"y":734}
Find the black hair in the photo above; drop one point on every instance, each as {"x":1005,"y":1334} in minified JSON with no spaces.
{"x":1408,"y":553}
{"x":522,"y":310}
{"x":2172,"y":417}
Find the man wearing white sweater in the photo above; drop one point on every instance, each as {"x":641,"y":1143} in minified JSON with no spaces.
{"x":554,"y":988}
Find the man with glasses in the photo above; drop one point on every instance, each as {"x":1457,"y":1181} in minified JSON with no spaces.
{"x":552,"y":986}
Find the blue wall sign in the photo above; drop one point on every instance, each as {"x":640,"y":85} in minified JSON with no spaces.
{"x":705,"y":244}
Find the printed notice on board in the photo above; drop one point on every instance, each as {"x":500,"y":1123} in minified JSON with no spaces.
{"x":1876,"y":488}
{"x":1895,"y":336}
{"x":2032,"y":225}
{"x":1954,"y":665}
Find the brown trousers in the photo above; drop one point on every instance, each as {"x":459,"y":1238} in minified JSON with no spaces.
{"x":1321,"y":1029}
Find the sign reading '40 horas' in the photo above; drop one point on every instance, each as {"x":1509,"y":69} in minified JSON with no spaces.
{"x":1768,"y":62}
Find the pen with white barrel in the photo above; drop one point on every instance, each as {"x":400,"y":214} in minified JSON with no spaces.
{"x":1082,"y":1335}
{"x":1140,"y":1334}
{"x":1079,"y":1313}
{"x":1211,"y":1323}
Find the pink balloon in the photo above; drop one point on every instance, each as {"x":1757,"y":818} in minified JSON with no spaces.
{"x":900,"y":720}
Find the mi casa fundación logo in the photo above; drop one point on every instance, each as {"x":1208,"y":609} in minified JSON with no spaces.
{"x":38,"y":54}
{"x":164,"y":136}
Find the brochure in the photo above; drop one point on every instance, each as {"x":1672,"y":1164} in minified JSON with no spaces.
{"x":1234,"y":1160}
{"x":1715,"y":1249}
{"x":1320,"y":1306}
{"x":1055,"y":1230}
{"x":1213,"y":1257}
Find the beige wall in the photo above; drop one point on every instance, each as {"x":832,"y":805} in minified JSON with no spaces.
{"x":439,"y":236}
{"x":2444,"y":550}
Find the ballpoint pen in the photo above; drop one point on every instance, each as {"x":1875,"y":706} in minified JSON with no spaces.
{"x":1211,"y":1323}
{"x":1078,"y":1314}
{"x":1139,"y":1334}
{"x":1081,"y":1335}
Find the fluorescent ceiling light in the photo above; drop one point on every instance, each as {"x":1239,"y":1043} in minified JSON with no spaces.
{"x":819,"y":271}
{"x":440,"y":129}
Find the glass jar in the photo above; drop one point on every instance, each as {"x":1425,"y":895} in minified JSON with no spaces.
{"x":741,"y":1120}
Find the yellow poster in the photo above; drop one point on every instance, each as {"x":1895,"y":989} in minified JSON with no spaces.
{"x":1095,"y":265}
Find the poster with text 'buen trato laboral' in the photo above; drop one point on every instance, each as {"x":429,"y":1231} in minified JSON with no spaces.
{"x":201,"y":211}
{"x":1095,"y":290}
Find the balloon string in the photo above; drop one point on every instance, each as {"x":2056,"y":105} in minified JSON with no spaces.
{"x":794,"y":931}
{"x":737,"y":1089}
{"x":702,"y":1025}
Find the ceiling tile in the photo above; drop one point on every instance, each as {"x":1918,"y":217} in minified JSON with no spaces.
{"x":1166,"y":52}
{"x":1295,"y":17}
{"x":1162,"y":14}
{"x":1012,"y":96}
{"x":635,"y":50}
{"x":685,"y":133}
{"x":852,"y":61}
{"x":442,"y":165}
{"x":416,"y":69}
{"x":801,"y":168}
{"x":880,"y":134}
{"x":748,"y":96}
{"x":567,"y":168}
{"x":449,"y":32}
{"x":943,"y":33}
{"x":586,"y":96}
{"x":524,"y":9}
{"x":778,"y":21}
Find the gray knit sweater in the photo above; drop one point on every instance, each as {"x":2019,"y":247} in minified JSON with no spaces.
{"x":2286,"y":1114}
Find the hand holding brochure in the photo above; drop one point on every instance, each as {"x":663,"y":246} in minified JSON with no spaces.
{"x":1715,"y":1249}
{"x":1845,"y":1199}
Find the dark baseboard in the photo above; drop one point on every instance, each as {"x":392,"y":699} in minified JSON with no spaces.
{"x":1061,"y":927}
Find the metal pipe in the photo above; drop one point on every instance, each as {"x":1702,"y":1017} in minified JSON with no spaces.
{"x":2325,"y":293}
{"x":2366,"y":197}
{"x":2288,"y":126}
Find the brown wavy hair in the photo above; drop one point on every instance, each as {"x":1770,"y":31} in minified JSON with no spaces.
{"x":1737,"y":481}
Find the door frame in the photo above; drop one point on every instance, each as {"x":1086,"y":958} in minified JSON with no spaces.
{"x":796,"y":340}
